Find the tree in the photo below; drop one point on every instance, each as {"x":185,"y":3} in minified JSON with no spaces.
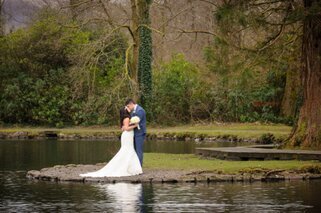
{"x":2,"y":22}
{"x":73,"y":4}
{"x":145,"y":52}
{"x":307,"y":132}
{"x":252,"y":37}
{"x":292,"y":92}
{"x":135,"y":37}
{"x":138,"y":24}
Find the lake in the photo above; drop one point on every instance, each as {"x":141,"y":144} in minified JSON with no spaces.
{"x":18,"y":194}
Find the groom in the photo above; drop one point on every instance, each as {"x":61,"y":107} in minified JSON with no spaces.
{"x":139,"y":134}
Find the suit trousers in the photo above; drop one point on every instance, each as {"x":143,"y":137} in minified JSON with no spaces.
{"x":139,"y":146}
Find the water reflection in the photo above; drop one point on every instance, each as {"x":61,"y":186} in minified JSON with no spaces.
{"x":123,"y":197}
{"x":237,"y":197}
{"x":17,"y":194}
{"x":29,"y":155}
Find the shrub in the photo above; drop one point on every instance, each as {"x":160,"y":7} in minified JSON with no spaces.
{"x":178,"y":92}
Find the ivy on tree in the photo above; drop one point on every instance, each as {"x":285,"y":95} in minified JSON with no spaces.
{"x":145,"y":56}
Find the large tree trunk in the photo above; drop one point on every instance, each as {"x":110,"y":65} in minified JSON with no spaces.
{"x":145,"y":54}
{"x":307,"y":133}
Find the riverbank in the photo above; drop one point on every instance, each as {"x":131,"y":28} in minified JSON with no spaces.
{"x":234,"y":132}
{"x":182,"y":168}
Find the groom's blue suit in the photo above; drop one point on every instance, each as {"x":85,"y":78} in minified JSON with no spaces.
{"x":139,"y":134}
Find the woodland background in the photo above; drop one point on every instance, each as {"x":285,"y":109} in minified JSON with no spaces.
{"x":76,"y":62}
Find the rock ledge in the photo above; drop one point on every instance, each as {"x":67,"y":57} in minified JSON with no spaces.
{"x":71,"y":173}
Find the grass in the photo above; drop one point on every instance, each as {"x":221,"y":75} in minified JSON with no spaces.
{"x":241,"y":130}
{"x":192,"y":162}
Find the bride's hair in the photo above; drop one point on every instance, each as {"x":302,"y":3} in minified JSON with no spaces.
{"x":123,"y":113}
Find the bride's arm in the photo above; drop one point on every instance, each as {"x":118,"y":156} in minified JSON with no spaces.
{"x":126,"y":126}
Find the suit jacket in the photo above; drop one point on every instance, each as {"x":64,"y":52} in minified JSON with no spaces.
{"x":140,"y":112}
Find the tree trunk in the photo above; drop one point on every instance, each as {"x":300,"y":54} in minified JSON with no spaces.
{"x":2,"y":22}
{"x":145,"y":54}
{"x":134,"y":27}
{"x":162,"y":48}
{"x":307,"y":132}
{"x":289,"y":105}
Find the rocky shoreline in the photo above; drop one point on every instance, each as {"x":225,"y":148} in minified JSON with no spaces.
{"x":114,"y":136}
{"x":70,"y":173}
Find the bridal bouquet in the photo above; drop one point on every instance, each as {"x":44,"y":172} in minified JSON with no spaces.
{"x":135,"y":120}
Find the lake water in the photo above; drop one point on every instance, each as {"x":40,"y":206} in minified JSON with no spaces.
{"x":18,"y":194}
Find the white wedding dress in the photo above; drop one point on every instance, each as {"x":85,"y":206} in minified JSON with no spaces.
{"x":124,"y":163}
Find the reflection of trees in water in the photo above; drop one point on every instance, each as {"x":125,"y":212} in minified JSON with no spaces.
{"x":38,"y":154}
{"x":147,"y":198}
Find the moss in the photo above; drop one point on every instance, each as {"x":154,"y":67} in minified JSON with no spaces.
{"x":299,"y":135}
{"x":303,"y":139}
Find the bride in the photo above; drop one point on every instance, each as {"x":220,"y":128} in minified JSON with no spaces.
{"x":125,"y":162}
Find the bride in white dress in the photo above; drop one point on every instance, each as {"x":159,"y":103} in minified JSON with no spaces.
{"x":125,"y":162}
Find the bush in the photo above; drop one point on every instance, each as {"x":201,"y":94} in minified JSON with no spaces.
{"x":34,"y":61}
{"x":178,"y":92}
{"x":54,"y":75}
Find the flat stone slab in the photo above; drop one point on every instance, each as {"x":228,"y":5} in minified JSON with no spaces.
{"x":254,"y":153}
{"x":71,"y":173}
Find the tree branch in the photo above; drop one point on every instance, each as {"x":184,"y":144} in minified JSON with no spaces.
{"x":107,"y":13}
{"x":76,"y":5}
{"x":273,"y":39}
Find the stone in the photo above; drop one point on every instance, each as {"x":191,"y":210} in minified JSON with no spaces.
{"x":70,"y":173}
{"x":19,"y":135}
{"x":3,"y":135}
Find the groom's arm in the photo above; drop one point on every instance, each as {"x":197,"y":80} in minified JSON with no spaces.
{"x":140,"y":114}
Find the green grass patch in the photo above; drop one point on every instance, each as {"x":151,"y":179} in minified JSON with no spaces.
{"x":68,"y":130}
{"x":241,"y":130}
{"x":193,"y":162}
